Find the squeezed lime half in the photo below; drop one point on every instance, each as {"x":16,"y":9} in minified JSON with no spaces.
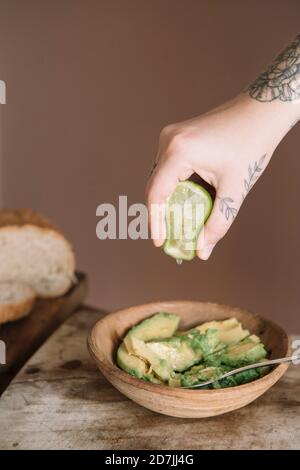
{"x":187,"y":210}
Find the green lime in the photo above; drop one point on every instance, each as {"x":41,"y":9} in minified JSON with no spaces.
{"x":187,"y":210}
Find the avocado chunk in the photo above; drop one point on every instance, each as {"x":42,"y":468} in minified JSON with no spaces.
{"x":229,"y":331}
{"x":131,"y":364}
{"x":248,"y":351}
{"x":220,"y":325}
{"x":177,"y":352}
{"x":207,"y":343}
{"x":153,"y":379}
{"x":135,"y":366}
{"x":182,"y":352}
{"x":161,"y":325}
{"x":175,"y":381}
{"x":159,"y":365}
{"x":241,"y":378}
{"x":200,"y":373}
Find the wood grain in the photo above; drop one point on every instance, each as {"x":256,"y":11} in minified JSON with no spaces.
{"x":59,"y":400}
{"x":23,"y":337}
{"x":108,"y":333}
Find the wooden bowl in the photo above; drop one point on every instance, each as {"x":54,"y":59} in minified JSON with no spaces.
{"x":107,"y":334}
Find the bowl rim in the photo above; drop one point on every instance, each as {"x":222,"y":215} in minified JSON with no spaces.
{"x":123,"y":376}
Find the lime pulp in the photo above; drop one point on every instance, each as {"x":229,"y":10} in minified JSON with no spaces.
{"x":187,"y":210}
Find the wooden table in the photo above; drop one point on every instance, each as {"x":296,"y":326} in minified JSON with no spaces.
{"x":59,"y":400}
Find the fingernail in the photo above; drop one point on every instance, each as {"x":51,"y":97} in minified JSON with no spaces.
{"x":206,"y":251}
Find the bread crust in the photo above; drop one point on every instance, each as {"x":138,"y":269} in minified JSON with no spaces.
{"x":21,"y":217}
{"x":15,"y":310}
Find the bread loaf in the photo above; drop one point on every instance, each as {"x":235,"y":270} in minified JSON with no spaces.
{"x":16,"y":301}
{"x":33,"y":251}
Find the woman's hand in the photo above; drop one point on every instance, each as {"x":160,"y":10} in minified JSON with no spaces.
{"x":229,"y":147}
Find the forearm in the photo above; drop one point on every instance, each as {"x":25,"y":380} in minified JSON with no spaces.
{"x":281,"y":80}
{"x":277,"y":91}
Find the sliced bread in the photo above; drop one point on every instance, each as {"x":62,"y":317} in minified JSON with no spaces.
{"x":16,"y":301}
{"x":33,"y":251}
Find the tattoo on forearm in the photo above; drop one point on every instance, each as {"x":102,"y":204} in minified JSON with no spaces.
{"x":253,"y":174}
{"x":227,"y":204}
{"x":227,"y":208}
{"x":281,"y":80}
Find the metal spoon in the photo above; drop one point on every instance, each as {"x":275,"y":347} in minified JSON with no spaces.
{"x":271,"y":362}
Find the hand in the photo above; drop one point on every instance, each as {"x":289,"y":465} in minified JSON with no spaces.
{"x":229,"y":147}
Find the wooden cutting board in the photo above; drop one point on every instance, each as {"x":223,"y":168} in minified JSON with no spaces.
{"x":23,"y":337}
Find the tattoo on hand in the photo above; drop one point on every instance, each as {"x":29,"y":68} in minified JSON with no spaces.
{"x":253,"y":174}
{"x":226,"y":204}
{"x":281,"y":80}
{"x":227,"y":208}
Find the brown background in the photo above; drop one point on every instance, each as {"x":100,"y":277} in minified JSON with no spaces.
{"x":89,"y":86}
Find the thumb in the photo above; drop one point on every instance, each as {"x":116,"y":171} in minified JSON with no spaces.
{"x":225,"y":209}
{"x":161,"y":184}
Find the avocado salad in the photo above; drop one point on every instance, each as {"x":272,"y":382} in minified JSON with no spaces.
{"x":155,"y":350}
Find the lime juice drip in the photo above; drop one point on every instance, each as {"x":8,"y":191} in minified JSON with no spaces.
{"x":179,"y":261}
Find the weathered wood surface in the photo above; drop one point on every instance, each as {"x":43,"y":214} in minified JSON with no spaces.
{"x":59,"y":400}
{"x":23,"y":337}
